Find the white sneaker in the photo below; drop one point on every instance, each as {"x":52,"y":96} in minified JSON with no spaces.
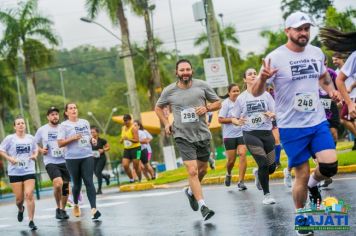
{"x":257,"y":181}
{"x":287,"y":178}
{"x":268,"y":199}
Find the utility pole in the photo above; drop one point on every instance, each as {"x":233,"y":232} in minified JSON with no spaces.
{"x":226,"y":48}
{"x":62,"y":84}
{"x":173,"y":30}
{"x":213,"y":35}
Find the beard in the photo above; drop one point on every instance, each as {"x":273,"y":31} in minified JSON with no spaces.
{"x":300,"y":43}
{"x":54,"y":122}
{"x":185,"y":81}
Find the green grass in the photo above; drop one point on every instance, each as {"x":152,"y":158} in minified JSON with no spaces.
{"x":179,"y":174}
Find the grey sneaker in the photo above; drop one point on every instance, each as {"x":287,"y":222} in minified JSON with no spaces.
{"x":212,"y":163}
{"x":268,"y":199}
{"x":227,"y":180}
{"x":206,"y":212}
{"x":287,"y":178}
{"x":241,"y":186}
{"x":192,"y":201}
{"x":326,"y":183}
{"x":257,"y":181}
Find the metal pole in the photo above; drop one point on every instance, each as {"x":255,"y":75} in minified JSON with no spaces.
{"x":109,"y":119}
{"x":207,"y":23}
{"x":226,"y":49}
{"x":19,"y":95}
{"x":62,"y":85}
{"x":96,"y":121}
{"x":173,"y":30}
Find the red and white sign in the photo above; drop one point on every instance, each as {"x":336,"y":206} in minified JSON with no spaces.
{"x":215,"y":72}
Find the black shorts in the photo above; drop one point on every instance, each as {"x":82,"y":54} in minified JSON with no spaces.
{"x":132,"y":153}
{"x":193,"y":150}
{"x":22,"y":178}
{"x":334,"y":120}
{"x":58,"y":170}
{"x":232,"y":143}
{"x":144,"y":156}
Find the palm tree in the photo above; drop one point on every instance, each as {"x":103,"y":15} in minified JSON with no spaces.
{"x":24,"y":30}
{"x":115,"y":10}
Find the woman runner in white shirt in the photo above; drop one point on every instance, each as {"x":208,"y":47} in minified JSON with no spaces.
{"x":20,"y":150}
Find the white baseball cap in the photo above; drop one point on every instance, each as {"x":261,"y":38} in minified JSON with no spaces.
{"x":297,"y":19}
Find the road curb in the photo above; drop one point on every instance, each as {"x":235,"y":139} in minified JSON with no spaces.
{"x":220,"y":180}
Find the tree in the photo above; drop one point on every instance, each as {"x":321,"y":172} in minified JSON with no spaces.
{"x":315,"y":8}
{"x":228,"y":39}
{"x":115,"y":10}
{"x":275,"y":39}
{"x":340,"y":20}
{"x":24,"y":28}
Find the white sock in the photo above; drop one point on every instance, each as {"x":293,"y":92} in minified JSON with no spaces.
{"x":190,"y":191}
{"x":312,"y":181}
{"x":228,"y":174}
{"x":201,"y":203}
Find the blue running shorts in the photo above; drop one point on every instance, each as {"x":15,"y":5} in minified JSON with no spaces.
{"x":302,"y":143}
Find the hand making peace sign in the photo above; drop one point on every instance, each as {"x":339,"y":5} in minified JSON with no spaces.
{"x":266,"y":71}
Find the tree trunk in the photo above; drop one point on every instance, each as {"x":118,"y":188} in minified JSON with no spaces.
{"x":128,"y":63}
{"x":32,"y":99}
{"x":2,"y":129}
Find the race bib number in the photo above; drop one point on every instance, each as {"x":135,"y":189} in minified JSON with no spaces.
{"x":305,"y":102}
{"x":127,"y":143}
{"x":188,"y":115}
{"x":256,"y":120}
{"x":22,"y":164}
{"x":83,"y":142}
{"x":326,"y":103}
{"x":96,"y":154}
{"x":57,"y":152}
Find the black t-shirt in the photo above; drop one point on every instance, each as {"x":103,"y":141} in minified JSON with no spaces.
{"x":99,"y":145}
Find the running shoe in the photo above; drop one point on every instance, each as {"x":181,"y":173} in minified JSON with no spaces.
{"x":192,"y":201}
{"x":107,"y":179}
{"x":303,"y":222}
{"x":59,"y":215}
{"x":76,"y":211}
{"x":212,"y":163}
{"x":20,"y":214}
{"x":96,"y":216}
{"x":314,"y":195}
{"x":99,"y":192}
{"x":32,"y":225}
{"x":227,"y":180}
{"x":257,"y":181}
{"x":241,"y":186}
{"x":206,"y":212}
{"x":65,"y":216}
{"x":287,"y":178}
{"x":268,"y":199}
{"x":326,"y":183}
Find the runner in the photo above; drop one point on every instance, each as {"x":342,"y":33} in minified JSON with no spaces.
{"x":188,"y":99}
{"x":255,"y":115}
{"x":53,"y":158}
{"x":296,"y":69}
{"x":132,"y":148}
{"x":145,"y":139}
{"x":74,"y":135}
{"x":20,"y":150}
{"x":99,"y":146}
{"x":233,"y":139}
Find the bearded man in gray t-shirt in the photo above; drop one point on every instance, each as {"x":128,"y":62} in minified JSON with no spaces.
{"x":188,"y":99}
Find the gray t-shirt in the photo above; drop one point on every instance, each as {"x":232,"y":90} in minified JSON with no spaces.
{"x":47,"y":137}
{"x":77,"y":149}
{"x":187,"y":124}
{"x":21,"y":149}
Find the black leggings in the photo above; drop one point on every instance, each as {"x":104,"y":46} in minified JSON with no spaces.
{"x":82,"y":169}
{"x":99,"y":164}
{"x":260,"y":143}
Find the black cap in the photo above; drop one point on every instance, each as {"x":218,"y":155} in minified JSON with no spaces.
{"x":52,"y":109}
{"x":127,"y":117}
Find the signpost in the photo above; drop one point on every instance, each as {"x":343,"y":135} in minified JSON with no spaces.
{"x":215,"y":72}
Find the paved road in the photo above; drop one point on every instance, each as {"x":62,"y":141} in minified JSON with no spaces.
{"x":166,"y":212}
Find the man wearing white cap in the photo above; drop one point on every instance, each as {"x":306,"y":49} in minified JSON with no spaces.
{"x":296,"y":70}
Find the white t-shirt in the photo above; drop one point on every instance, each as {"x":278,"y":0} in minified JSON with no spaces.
{"x":148,"y":135}
{"x":229,"y":130}
{"x":47,"y":136}
{"x":349,"y":69}
{"x":296,"y":86}
{"x":21,"y":149}
{"x":80,"y":148}
{"x":252,"y":109}
{"x":143,"y":134}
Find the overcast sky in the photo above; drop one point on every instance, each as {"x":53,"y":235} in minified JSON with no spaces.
{"x":248,"y":16}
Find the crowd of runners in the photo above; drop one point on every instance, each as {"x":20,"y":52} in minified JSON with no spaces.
{"x":294,"y":102}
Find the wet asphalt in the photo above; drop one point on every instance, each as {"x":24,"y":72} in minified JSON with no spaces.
{"x":167,"y":212}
